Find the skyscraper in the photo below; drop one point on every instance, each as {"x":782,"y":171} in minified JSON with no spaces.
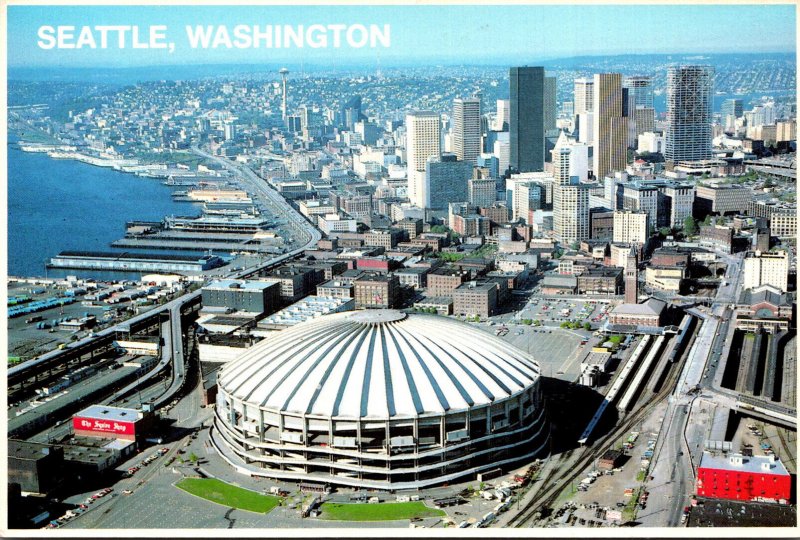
{"x":482,"y":192}
{"x":550,"y":104}
{"x":350,"y":113}
{"x":571,"y":212}
{"x":584,"y":109}
{"x":422,"y":142}
{"x":640,"y":111}
{"x":732,"y":107}
{"x":570,"y":198}
{"x":501,"y":119}
{"x":689,"y":100}
{"x":610,"y":126}
{"x":526,"y":119}
{"x":446,"y":180}
{"x":640,"y":91}
{"x":584,"y":95}
{"x":467,"y":129}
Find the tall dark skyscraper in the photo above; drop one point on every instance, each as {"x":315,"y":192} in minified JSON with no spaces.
{"x":526,"y":122}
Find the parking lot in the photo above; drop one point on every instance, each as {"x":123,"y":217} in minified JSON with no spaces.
{"x":610,"y":498}
{"x":554,"y":309}
{"x":559,"y":351}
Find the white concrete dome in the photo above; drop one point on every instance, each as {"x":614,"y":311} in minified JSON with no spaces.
{"x":379,"y":399}
{"x":378,"y":364}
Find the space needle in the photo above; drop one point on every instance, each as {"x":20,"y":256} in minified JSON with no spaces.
{"x":284,"y":73}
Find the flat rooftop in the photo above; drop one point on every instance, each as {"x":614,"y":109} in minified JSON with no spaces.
{"x":234,"y":284}
{"x":106,"y":412}
{"x":750,"y":464}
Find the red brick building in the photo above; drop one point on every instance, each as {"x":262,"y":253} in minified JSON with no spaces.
{"x":743,"y":478}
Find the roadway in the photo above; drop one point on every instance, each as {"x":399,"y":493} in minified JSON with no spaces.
{"x":275,"y":200}
{"x":678,"y":447}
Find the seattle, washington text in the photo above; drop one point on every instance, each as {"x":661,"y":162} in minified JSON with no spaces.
{"x":241,"y":36}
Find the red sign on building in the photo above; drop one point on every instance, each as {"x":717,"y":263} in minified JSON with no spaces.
{"x":96,"y":425}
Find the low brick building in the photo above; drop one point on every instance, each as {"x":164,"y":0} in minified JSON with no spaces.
{"x":476,"y":298}
{"x":443,"y":280}
{"x":377,"y":291}
{"x":600,"y":280}
{"x":648,"y":313}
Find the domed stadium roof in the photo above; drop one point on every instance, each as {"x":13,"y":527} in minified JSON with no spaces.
{"x":378,"y":364}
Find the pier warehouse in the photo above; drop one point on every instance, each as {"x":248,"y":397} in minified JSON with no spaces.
{"x":135,"y":262}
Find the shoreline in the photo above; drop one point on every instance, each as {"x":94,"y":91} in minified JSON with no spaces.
{"x":66,"y":151}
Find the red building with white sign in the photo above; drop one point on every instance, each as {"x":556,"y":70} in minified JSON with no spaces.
{"x":743,"y":478}
{"x":105,"y":421}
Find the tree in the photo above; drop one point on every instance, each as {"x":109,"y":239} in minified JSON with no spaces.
{"x":689,"y":226}
{"x":587,"y":326}
{"x":707,"y":220}
{"x":193,"y":457}
{"x":665,"y":231}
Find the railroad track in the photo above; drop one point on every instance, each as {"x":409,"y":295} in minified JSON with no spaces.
{"x":572,"y":470}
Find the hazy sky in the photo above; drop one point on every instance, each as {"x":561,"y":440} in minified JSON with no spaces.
{"x":459,"y":34}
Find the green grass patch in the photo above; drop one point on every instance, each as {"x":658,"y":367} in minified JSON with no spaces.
{"x":219,"y":492}
{"x":378,"y":512}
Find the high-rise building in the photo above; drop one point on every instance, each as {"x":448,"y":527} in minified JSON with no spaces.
{"x":527,"y":196}
{"x":502,"y":150}
{"x":584,"y":96}
{"x":482,"y":192}
{"x":578,"y":156}
{"x":786,"y":131}
{"x":526,"y":119}
{"x":350,"y":113}
{"x":679,"y":201}
{"x":422,"y":142}
{"x":766,"y":269}
{"x":732,"y":107}
{"x":502,"y":118}
{"x":230,"y":132}
{"x":630,"y":227}
{"x":689,"y":101}
{"x":610,"y":125}
{"x":467,"y":129}
{"x":550,"y":104}
{"x":640,"y":111}
{"x":561,"y":161}
{"x":631,"y":277}
{"x":640,"y":91}
{"x":583,"y":109}
{"x":570,"y":198}
{"x":644,"y":197}
{"x":571,"y":212}
{"x":446,"y":180}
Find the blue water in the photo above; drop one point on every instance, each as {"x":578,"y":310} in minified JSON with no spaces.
{"x":56,"y":205}
{"x":748,"y":100}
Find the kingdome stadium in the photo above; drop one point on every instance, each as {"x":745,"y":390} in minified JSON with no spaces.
{"x":380,"y":399}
